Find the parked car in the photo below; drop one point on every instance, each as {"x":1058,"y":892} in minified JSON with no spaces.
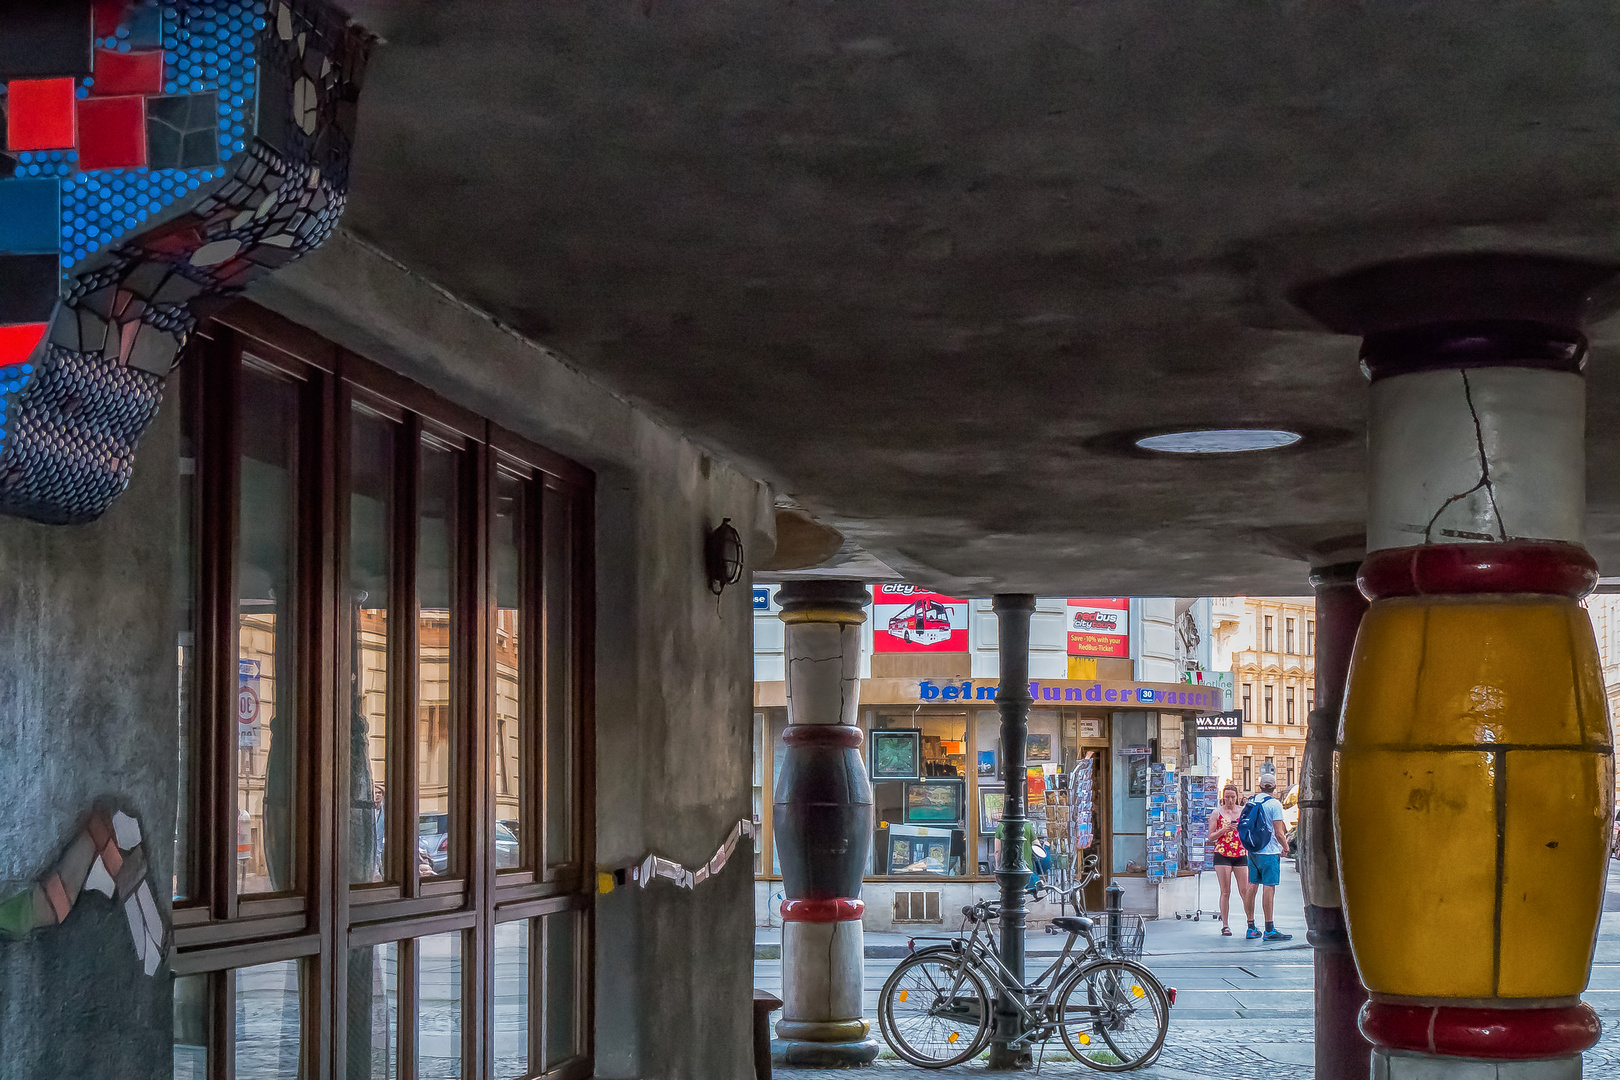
{"x":433,"y":838}
{"x":506,"y":847}
{"x":1290,"y":802}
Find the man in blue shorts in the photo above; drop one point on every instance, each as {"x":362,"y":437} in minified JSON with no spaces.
{"x":1265,"y":865}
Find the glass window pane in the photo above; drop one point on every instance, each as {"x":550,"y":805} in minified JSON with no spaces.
{"x":191,"y":1027}
{"x":267,"y":681}
{"x":371,"y":534}
{"x":926,"y":815}
{"x":507,"y":740}
{"x":558,"y":561}
{"x":269,"y":1027}
{"x":372,"y":1047}
{"x":510,"y":1011}
{"x":185,"y":577}
{"x":562,"y":987}
{"x":435,"y":586}
{"x":438,"y":1007}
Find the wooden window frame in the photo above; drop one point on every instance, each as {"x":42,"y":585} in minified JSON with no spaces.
{"x":215,"y":932}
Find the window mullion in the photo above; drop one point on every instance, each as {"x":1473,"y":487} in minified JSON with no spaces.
{"x":402,"y":694}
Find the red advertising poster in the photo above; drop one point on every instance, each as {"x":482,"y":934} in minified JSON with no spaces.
{"x":1100,"y":626}
{"x":906,"y":619}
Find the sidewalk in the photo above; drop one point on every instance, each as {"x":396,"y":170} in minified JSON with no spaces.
{"x":1244,"y":1009}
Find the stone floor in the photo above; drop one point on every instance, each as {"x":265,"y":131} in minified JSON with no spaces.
{"x":1243,"y":1009}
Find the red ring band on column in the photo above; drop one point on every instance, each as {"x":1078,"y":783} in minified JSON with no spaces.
{"x":822,"y":735}
{"x":1493,"y":1034}
{"x":1517,"y":566}
{"x":840,"y":910}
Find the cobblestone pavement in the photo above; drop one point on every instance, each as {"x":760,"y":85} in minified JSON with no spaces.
{"x":1207,"y":1052}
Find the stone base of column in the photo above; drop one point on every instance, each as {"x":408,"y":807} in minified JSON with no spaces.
{"x":823,"y":973}
{"x":1406,"y":1065}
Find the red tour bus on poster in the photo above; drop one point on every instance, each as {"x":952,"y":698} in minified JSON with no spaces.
{"x":1100,"y":626}
{"x":908,"y":619}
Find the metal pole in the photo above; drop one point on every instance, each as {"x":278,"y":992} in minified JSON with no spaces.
{"x":1114,"y":905}
{"x":1012,"y":698}
{"x":1342,"y":1053}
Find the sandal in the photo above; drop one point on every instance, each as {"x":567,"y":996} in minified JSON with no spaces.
{"x":1226,"y":931}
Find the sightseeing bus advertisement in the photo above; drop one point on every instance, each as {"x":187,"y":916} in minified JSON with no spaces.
{"x":1100,"y":626}
{"x":906,"y":619}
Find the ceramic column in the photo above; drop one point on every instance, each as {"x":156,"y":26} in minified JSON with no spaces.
{"x":823,"y":828}
{"x":1341,"y":1050}
{"x":1474,"y":782}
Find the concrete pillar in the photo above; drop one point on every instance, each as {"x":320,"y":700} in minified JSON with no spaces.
{"x":1341,"y":1050}
{"x":1474,"y":780}
{"x":823,"y":823}
{"x":1013,"y":611}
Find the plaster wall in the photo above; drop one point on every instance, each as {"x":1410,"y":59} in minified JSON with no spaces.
{"x":674,"y":681}
{"x":87,"y":713}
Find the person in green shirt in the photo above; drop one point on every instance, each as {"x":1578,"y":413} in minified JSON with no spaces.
{"x":1037,"y":864}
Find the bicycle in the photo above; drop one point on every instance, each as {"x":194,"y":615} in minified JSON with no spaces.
{"x":937,"y":1007}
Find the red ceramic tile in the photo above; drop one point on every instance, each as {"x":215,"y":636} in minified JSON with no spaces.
{"x":57,"y":896}
{"x":107,"y":15}
{"x":39,"y":114}
{"x":136,"y":72}
{"x":17,"y":342}
{"x":112,"y":858}
{"x":112,"y":133}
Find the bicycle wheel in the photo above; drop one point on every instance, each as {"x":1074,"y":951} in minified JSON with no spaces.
{"x":934,"y":1010}
{"x":1120,"y":1004}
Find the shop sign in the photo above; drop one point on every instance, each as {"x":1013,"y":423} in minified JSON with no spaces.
{"x":1100,"y":626}
{"x":1084,"y":692}
{"x":906,"y":619}
{"x":762,"y":599}
{"x":1221,"y":725}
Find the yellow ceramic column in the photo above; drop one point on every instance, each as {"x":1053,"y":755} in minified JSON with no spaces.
{"x":1474,"y":784}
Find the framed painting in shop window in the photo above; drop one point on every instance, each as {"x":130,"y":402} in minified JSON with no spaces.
{"x":897,"y":754}
{"x":992,"y":801}
{"x":936,"y":802}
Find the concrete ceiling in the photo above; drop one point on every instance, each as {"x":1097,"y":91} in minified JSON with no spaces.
{"x":926,"y":266}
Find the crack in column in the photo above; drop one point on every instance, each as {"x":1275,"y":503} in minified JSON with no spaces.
{"x":1484,"y":473}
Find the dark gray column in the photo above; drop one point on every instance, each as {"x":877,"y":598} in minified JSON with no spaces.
{"x":1012,"y":622}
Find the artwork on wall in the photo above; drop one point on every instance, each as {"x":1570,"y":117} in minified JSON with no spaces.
{"x":1038,"y":747}
{"x":992,"y":801}
{"x":935,"y":802}
{"x":105,"y":856}
{"x":987,"y":763}
{"x":897,"y":754}
{"x":159,"y":156}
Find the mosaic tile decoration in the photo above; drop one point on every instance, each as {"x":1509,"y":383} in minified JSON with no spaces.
{"x":157,"y":157}
{"x":105,"y":857}
{"x":656,"y":866}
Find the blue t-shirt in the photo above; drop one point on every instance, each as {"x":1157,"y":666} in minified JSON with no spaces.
{"x":1272,"y":811}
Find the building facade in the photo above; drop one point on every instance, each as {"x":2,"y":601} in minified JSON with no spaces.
{"x":1269,"y":644}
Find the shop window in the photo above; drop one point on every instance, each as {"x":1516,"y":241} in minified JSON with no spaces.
{"x":1288,"y":636}
{"x":759,"y":787}
{"x":383,"y":595}
{"x":918,"y":760}
{"x":1269,"y":718}
{"x":1268,"y":633}
{"x":1288,"y":703}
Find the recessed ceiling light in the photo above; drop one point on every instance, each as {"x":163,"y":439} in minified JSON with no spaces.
{"x":1219,"y":441}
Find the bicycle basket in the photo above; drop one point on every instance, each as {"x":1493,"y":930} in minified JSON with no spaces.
{"x":1132,"y":935}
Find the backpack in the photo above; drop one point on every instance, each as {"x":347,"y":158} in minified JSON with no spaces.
{"x":1253,"y":829}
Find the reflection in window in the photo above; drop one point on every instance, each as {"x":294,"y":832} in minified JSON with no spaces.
{"x":438,"y":1007}
{"x":373,"y":1043}
{"x":185,"y":627}
{"x":371,"y":532}
{"x":435,"y":587}
{"x":268,"y":1038}
{"x":557,"y":563}
{"x":191,"y":1027}
{"x":266,"y":572}
{"x":507,"y":742}
{"x":509,"y":1011}
{"x":562,"y":987}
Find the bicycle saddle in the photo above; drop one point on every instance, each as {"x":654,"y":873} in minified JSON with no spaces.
{"x":1073,"y":924}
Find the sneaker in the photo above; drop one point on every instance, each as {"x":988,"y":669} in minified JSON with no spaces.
{"x":1252,"y":934}
{"x":1278,"y":935}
